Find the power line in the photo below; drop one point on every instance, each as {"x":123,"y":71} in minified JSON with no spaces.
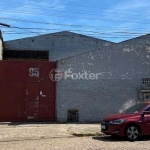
{"x":4,"y":24}
{"x":67,"y":25}
{"x":92,"y":35}
{"x":51,"y":23}
{"x":90,"y":31}
{"x":95,"y":32}
{"x":48,"y":23}
{"x":54,"y":15}
{"x":55,"y":34}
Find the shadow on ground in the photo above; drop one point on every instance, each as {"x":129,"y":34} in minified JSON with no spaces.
{"x":86,"y":134}
{"x":26,"y":123}
{"x":118,"y":139}
{"x":109,"y":138}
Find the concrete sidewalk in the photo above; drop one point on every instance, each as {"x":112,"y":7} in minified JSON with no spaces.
{"x":16,"y":131}
{"x":41,"y":136}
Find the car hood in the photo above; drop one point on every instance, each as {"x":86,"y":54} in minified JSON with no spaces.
{"x":119,"y":116}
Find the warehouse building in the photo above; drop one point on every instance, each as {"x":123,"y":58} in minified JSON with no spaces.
{"x":52,"y":46}
{"x":96,"y":77}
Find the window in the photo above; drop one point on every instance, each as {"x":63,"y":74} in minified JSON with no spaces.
{"x":135,"y":108}
{"x":26,"y":55}
{"x":146,"y":82}
{"x":146,"y":96}
{"x":148,"y":109}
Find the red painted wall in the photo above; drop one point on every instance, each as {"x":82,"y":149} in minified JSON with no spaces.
{"x":26,"y":91}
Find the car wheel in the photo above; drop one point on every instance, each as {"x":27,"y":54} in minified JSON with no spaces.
{"x":132,"y":132}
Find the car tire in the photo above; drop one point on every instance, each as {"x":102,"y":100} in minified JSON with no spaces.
{"x":132,"y":132}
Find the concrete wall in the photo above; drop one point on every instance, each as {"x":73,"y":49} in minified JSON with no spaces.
{"x":60,"y":45}
{"x":121,"y":69}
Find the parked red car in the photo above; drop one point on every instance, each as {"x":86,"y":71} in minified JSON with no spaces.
{"x":131,"y":123}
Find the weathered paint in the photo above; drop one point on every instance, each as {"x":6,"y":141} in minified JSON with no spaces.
{"x":121,"y":69}
{"x":21,"y":84}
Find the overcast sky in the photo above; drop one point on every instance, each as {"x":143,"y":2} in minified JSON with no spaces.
{"x":113,"y":20}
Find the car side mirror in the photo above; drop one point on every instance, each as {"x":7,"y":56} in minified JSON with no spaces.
{"x":144,"y":113}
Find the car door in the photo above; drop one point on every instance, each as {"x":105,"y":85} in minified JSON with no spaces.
{"x":145,"y":122}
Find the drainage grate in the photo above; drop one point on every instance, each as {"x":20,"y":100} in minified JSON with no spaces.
{"x":73,"y":115}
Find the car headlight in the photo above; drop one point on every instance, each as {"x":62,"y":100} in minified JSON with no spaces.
{"x":119,"y":121}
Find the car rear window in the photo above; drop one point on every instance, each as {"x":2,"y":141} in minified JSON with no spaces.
{"x":135,"y":108}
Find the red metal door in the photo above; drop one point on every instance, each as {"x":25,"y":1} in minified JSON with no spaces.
{"x":27,"y":93}
{"x":47,"y":94}
{"x":32,"y":101}
{"x":47,"y":102}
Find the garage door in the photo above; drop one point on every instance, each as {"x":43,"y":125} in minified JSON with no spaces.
{"x":27,"y":93}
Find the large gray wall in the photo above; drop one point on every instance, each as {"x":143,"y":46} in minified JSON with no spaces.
{"x":121,"y":71}
{"x":60,"y":45}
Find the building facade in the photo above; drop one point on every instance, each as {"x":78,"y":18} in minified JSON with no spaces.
{"x":98,"y":77}
{"x":57,"y":45}
{"x":123,"y":80}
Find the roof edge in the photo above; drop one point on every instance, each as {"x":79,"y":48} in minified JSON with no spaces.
{"x":134,"y":38}
{"x":61,"y":32}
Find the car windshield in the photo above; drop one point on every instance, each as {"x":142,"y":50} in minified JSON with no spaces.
{"x":135,"y":108}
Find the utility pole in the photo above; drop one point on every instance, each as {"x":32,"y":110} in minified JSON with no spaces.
{"x":1,"y":40}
